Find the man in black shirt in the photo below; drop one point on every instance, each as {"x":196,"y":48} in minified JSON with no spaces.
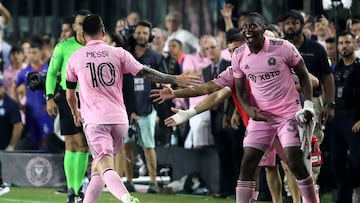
{"x":10,"y":127}
{"x":144,"y":113}
{"x":344,"y":131}
{"x":316,"y":60}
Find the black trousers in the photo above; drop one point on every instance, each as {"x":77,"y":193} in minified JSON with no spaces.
{"x":229,"y":144}
{"x":345,"y":157}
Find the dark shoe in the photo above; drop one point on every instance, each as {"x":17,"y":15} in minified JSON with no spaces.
{"x":130,"y":186}
{"x":61,"y":191}
{"x":70,"y":196}
{"x":264,"y":196}
{"x":79,"y":198}
{"x":153,"y":189}
{"x":287,"y":199}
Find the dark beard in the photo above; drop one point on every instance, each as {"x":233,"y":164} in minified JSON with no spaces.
{"x":142,"y":45}
{"x":292,"y":36}
{"x":346,"y":54}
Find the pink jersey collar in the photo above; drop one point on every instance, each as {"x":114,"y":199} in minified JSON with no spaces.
{"x":264,"y":49}
{"x":92,"y":42}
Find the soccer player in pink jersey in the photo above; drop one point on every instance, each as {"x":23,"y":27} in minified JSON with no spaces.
{"x":98,"y":69}
{"x":267,"y":63}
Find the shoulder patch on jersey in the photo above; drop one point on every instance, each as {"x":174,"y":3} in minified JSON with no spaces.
{"x":276,"y":42}
{"x":240,"y":49}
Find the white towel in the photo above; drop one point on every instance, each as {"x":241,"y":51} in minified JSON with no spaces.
{"x":306,"y":130}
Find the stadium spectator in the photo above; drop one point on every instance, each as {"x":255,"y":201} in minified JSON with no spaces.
{"x":144,"y":112}
{"x":200,"y":124}
{"x":10,"y":127}
{"x":344,"y":131}
{"x":159,"y":40}
{"x":120,"y":25}
{"x":4,"y":46}
{"x":176,"y":52}
{"x":133,"y":19}
{"x":38,"y":123}
{"x":11,"y":73}
{"x":331,"y":51}
{"x":315,"y":58}
{"x":188,"y":40}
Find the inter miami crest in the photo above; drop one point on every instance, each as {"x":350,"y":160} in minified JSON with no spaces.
{"x":39,"y":171}
{"x":271,"y":61}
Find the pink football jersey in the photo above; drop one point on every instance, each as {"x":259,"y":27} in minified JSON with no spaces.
{"x":269,"y":72}
{"x":98,"y":69}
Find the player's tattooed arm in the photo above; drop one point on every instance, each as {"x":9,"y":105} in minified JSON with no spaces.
{"x":156,"y":76}
{"x":182,"y":80}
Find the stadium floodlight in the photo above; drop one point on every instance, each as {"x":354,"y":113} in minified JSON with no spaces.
{"x":330,"y":4}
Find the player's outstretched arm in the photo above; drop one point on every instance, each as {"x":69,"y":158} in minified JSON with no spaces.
{"x":160,"y":95}
{"x":182,"y":80}
{"x":211,"y":101}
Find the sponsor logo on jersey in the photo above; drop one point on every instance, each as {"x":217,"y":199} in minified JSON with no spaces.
{"x":272,"y":61}
{"x":240,"y":49}
{"x":264,"y":76}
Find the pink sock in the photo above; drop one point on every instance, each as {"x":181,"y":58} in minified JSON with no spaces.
{"x":255,"y":195}
{"x":245,"y":191}
{"x":94,"y":188}
{"x":114,"y":183}
{"x":307,"y":188}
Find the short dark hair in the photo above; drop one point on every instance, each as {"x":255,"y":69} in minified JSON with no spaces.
{"x":177,"y":41}
{"x":257,"y":15}
{"x":145,"y":24}
{"x":344,"y":33}
{"x":16,"y":49}
{"x":37,"y":42}
{"x":68,"y":20}
{"x":234,"y":34}
{"x":93,"y":24}
{"x":294,"y":14}
{"x":82,"y":12}
{"x":330,"y":40}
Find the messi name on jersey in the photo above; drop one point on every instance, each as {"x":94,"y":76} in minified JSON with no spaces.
{"x":97,"y":54}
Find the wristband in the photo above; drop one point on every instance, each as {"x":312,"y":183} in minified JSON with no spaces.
{"x":308,"y":105}
{"x":183,"y":116}
{"x":49,"y":96}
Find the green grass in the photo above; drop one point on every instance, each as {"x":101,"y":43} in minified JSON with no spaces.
{"x":46,"y":195}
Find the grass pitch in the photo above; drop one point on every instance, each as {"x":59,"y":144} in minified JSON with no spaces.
{"x":47,"y":195}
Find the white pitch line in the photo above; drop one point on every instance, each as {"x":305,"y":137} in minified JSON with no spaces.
{"x":18,"y":200}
